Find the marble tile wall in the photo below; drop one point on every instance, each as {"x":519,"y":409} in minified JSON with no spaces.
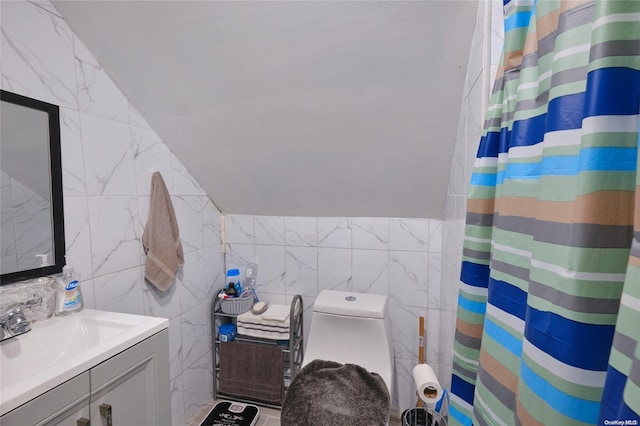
{"x":483,"y":64}
{"x":108,"y":151}
{"x":397,"y":257}
{"x":26,"y":226}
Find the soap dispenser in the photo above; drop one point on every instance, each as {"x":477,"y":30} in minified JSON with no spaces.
{"x":44,"y":259}
{"x":69,"y":295}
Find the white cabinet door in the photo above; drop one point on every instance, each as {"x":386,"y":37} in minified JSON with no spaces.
{"x":63,"y":405}
{"x":80,"y":417}
{"x":132,"y":388}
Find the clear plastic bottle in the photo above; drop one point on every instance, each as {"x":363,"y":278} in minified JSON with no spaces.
{"x":249,"y":280}
{"x":69,"y":295}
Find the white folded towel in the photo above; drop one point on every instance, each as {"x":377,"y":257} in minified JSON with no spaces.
{"x":250,"y":324}
{"x":277,"y":313}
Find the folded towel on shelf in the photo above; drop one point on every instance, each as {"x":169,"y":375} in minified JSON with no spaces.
{"x":161,"y":237}
{"x":277,"y":313}
{"x":252,"y":371}
{"x":250,"y":324}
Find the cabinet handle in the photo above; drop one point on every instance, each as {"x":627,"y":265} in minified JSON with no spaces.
{"x":105,"y":412}
{"x":83,"y":421}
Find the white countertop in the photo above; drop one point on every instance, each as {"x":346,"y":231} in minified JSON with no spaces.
{"x":60,"y":348}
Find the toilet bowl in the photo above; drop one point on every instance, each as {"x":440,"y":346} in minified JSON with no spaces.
{"x":352,"y":328}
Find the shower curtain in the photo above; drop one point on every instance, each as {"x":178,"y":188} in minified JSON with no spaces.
{"x":548,"y":319}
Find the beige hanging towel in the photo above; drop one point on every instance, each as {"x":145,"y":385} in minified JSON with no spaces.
{"x":161,"y":239}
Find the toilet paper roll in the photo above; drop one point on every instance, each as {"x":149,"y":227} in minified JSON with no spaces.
{"x":429,"y":390}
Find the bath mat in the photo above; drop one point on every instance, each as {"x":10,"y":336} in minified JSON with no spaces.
{"x":227,"y":413}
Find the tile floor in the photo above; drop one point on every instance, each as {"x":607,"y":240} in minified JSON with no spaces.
{"x":268,"y":416}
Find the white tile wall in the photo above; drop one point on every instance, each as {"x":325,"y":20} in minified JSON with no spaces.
{"x":485,"y":55}
{"x":108,"y":151}
{"x":26,"y":226}
{"x":497,"y":32}
{"x":397,"y":257}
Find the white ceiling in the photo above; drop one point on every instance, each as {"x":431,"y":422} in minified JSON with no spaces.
{"x":305,"y":108}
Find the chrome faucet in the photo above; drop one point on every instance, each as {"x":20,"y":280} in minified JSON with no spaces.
{"x":13,"y":323}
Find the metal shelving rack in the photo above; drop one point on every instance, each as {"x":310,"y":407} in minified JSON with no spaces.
{"x":293,"y":349}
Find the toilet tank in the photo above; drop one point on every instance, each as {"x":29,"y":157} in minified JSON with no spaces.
{"x":360,"y":305}
{"x":351,"y":328}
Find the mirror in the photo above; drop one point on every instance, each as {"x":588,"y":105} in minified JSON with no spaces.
{"x":31,"y":184}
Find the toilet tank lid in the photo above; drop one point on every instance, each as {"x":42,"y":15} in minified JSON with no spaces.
{"x":351,"y":304}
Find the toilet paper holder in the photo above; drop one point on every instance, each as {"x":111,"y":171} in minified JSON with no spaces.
{"x":421,"y":416}
{"x":427,"y":385}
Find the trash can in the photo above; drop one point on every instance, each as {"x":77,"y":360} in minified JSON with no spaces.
{"x":419,"y":416}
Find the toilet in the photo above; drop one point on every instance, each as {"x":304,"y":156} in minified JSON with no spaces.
{"x":352,"y":328}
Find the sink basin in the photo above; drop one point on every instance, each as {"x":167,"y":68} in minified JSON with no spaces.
{"x":58,"y":338}
{"x":60,"y":348}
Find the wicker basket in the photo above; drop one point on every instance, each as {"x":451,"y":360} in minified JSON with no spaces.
{"x":237,"y":305}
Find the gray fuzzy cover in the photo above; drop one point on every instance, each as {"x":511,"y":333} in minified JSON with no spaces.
{"x":327,"y":393}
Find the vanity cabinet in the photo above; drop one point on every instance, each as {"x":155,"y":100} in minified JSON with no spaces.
{"x":63,"y":405}
{"x":133,"y":387}
{"x":130,"y":388}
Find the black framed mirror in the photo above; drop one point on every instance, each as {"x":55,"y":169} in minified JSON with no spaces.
{"x":32,"y":230}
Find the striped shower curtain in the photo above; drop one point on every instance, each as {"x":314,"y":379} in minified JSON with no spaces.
{"x":548,"y":323}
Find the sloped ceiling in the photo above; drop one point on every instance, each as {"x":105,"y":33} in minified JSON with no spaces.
{"x":305,"y":108}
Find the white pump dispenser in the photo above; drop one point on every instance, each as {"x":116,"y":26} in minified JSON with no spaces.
{"x":44,"y":259}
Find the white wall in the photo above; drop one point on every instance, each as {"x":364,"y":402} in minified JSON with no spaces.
{"x":108,"y":151}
